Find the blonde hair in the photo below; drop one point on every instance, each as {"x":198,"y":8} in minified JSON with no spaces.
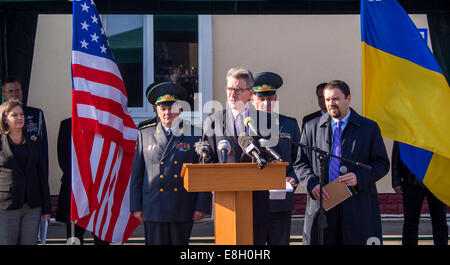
{"x":5,"y":108}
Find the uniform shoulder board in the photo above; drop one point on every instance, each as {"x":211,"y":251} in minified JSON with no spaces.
{"x":147,"y":125}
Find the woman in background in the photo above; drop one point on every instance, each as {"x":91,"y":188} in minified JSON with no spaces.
{"x":24,"y":188}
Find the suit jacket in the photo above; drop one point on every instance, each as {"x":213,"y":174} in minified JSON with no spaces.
{"x":15,"y":181}
{"x":65,"y":163}
{"x":220,"y":126}
{"x":401,"y":175}
{"x":360,"y":141}
{"x":310,"y":116}
{"x":156,"y":186}
{"x":288,"y":130}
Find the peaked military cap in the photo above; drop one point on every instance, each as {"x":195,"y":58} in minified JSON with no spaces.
{"x":267,"y":83}
{"x":166,"y":94}
{"x":147,"y":91}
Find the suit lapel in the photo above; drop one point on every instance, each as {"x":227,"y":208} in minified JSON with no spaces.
{"x":160,"y":137}
{"x":8,"y":153}
{"x":352,"y":123}
{"x":229,"y":130}
{"x":324,"y":132}
{"x":28,"y":145}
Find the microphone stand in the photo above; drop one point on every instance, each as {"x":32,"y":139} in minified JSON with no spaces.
{"x":322,"y":216}
{"x":322,"y":156}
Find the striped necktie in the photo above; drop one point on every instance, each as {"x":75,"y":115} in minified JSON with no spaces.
{"x":334,"y":162}
{"x":169,"y":133}
{"x":239,"y":125}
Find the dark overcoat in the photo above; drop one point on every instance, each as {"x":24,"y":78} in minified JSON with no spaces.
{"x":309,"y":117}
{"x":65,"y":163}
{"x":361,"y":141}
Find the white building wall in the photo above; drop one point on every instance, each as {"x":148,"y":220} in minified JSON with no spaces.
{"x":50,"y":82}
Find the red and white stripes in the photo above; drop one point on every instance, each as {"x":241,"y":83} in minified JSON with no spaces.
{"x":103,"y":143}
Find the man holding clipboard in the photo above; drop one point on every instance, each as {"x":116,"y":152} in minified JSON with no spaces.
{"x":343,"y":132}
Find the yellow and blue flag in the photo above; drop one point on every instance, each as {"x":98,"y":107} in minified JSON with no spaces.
{"x":405,"y":91}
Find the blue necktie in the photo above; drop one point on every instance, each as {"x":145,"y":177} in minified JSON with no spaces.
{"x":334,"y":162}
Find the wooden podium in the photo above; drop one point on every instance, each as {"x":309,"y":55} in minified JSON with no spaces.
{"x":233,"y":184}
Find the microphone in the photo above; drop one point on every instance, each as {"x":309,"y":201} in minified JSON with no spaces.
{"x":343,"y":170}
{"x":246,"y":143}
{"x":270,"y":150}
{"x":224,"y":148}
{"x":249,"y":123}
{"x":203,"y":149}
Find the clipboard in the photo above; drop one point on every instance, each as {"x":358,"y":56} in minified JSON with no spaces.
{"x":43,"y":228}
{"x":338,"y":192}
{"x":280,"y":194}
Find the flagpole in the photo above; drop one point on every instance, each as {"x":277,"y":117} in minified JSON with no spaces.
{"x":72,"y":232}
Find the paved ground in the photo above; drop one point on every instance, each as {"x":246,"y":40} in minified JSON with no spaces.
{"x":203,"y":232}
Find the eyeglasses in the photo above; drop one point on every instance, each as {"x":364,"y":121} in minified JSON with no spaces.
{"x":237,"y":91}
{"x":11,"y":91}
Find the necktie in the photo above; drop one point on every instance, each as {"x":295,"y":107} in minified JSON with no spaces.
{"x":169,"y":133}
{"x":239,"y":125}
{"x":334,"y":162}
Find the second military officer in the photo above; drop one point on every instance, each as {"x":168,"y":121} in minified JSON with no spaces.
{"x":157,"y":194}
{"x":280,"y":210}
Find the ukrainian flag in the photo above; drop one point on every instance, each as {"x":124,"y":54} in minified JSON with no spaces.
{"x":405,"y":91}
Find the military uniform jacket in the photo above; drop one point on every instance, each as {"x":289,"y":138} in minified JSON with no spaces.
{"x":156,"y":187}
{"x":35,"y":125}
{"x":289,"y":130}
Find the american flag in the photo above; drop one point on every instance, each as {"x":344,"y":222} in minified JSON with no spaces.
{"x":103,"y":133}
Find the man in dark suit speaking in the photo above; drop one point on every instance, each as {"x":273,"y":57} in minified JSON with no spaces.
{"x":357,"y":220}
{"x":228,"y":124}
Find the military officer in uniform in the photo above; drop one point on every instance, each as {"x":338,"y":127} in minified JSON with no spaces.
{"x":280,"y":210}
{"x":153,"y":119}
{"x":34,"y":117}
{"x":157,"y":194}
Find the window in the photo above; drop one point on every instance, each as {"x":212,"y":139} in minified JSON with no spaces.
{"x":161,"y":48}
{"x":125,"y":39}
{"x":176,"y":51}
